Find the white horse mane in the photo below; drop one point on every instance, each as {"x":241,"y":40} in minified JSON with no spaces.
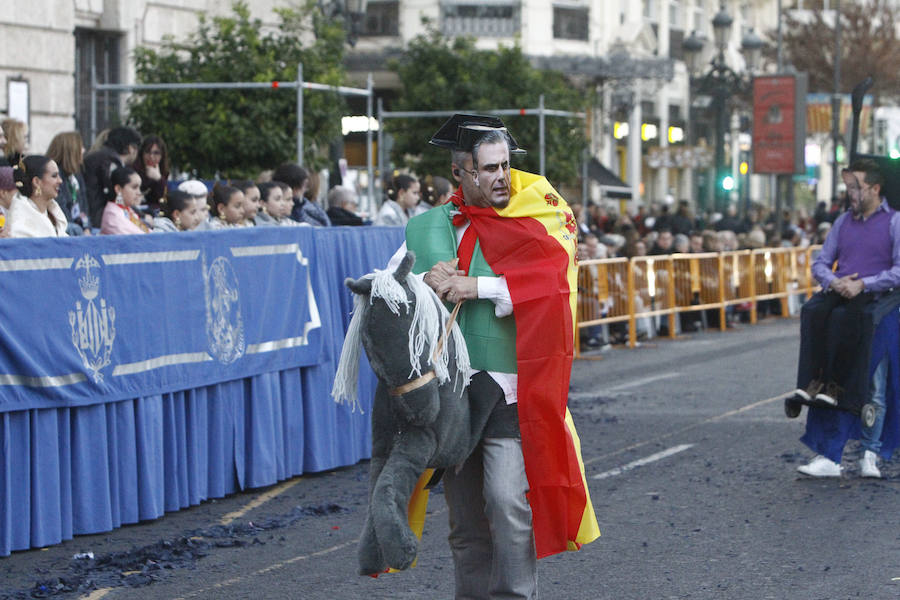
{"x":425,"y":331}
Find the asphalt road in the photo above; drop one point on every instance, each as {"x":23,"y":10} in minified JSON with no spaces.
{"x":692,"y":471}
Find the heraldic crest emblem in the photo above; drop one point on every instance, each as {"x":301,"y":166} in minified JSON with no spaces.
{"x":224,"y":326}
{"x":93,"y":322}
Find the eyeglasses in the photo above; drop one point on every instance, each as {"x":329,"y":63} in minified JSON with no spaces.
{"x":154,"y":152}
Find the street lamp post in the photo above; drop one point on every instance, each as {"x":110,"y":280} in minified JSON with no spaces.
{"x":720,"y":83}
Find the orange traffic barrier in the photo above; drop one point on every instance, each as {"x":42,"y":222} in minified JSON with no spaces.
{"x":622,"y":290}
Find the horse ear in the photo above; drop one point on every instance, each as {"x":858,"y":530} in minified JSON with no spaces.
{"x":405,"y":266}
{"x":361,"y":286}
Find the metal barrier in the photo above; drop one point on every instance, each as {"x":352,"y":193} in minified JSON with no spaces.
{"x":646,"y":288}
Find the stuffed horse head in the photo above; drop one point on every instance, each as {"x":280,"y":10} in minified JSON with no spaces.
{"x":420,"y":418}
{"x":400,"y":322}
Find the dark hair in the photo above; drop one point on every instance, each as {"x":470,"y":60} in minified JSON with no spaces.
{"x":491,"y":137}
{"x":222,"y":193}
{"x":176,"y":200}
{"x":120,"y":138}
{"x":119,"y":177}
{"x":28,"y":168}
{"x":871,"y":169}
{"x":441,"y":186}
{"x":244,"y":185}
{"x":265,"y":188}
{"x":147,"y":145}
{"x":290,"y":173}
{"x":403,"y":182}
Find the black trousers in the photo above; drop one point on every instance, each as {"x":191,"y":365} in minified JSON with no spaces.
{"x":835,"y":343}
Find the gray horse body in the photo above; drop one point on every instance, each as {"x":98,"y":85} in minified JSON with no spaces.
{"x":433,"y":426}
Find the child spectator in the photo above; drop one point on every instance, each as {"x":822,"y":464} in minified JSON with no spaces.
{"x":119,"y":150}
{"x":251,"y":201}
{"x":180,"y":212}
{"x":119,"y":216}
{"x":199,"y":191}
{"x":228,"y":203}
{"x":276,"y":208}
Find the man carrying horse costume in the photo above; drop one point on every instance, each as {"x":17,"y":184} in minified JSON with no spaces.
{"x":504,"y":250}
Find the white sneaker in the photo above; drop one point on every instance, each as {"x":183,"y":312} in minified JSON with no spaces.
{"x":821,"y":467}
{"x":868,"y":465}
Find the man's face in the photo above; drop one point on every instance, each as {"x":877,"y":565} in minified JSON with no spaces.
{"x":696,"y":243}
{"x":863,"y":196}
{"x":132,"y":154}
{"x":490,"y":185}
{"x":665,"y":240}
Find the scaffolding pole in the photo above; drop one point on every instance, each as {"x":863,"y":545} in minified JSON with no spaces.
{"x":299,"y":85}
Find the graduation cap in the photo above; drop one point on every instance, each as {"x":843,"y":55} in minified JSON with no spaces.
{"x":461,"y":132}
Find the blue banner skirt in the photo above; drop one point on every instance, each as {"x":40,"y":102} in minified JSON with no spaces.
{"x":144,"y":374}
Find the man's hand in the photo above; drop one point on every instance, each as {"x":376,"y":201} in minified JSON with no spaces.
{"x":440,"y":273}
{"x":458,"y":288}
{"x":854,"y":287}
{"x":848,"y":286}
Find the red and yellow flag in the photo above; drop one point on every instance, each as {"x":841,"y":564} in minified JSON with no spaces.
{"x":533,"y":242}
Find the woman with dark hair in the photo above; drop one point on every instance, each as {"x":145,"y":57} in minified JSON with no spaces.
{"x":119,"y":215}
{"x":34,"y":211}
{"x":152,"y":164}
{"x":67,"y":149}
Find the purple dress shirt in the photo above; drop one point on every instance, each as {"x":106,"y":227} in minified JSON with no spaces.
{"x":831,"y":252}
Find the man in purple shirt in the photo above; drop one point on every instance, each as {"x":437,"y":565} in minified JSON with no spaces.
{"x":836,"y":325}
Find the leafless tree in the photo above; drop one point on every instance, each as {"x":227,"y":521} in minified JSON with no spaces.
{"x":869,"y":46}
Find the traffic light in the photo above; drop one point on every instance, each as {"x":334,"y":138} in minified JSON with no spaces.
{"x":728,"y":183}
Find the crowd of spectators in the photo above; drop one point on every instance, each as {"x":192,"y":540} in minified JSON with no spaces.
{"x":656,"y":231}
{"x":124,"y":184}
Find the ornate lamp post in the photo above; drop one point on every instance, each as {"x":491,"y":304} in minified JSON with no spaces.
{"x":720,"y":83}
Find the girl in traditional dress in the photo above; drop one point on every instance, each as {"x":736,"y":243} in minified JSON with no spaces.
{"x":119,"y":215}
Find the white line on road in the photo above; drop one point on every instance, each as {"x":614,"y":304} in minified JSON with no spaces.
{"x":643,"y":461}
{"x":664,"y":436}
{"x":642,"y":381}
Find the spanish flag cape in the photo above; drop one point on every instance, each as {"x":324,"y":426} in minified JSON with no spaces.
{"x":532,"y":242}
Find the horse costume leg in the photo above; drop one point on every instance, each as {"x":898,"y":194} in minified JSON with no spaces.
{"x":407,"y":461}
{"x":371,"y":560}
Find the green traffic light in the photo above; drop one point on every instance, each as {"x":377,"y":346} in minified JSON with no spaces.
{"x":728,"y":183}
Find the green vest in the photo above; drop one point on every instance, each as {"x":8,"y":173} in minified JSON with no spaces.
{"x":491,"y":341}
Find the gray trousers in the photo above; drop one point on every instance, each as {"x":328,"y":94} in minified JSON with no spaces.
{"x":491,"y":537}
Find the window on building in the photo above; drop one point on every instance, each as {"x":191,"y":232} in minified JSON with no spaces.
{"x":495,"y":19}
{"x":98,"y":50}
{"x":675,"y":15}
{"x":570,"y":23}
{"x":651,"y":10}
{"x":699,"y":15}
{"x":676,"y":39}
{"x":382,"y":19}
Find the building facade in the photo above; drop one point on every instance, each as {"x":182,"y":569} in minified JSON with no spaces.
{"x":631,"y":52}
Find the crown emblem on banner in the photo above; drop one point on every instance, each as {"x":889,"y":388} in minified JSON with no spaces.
{"x":93,"y":322}
{"x":89,"y":283}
